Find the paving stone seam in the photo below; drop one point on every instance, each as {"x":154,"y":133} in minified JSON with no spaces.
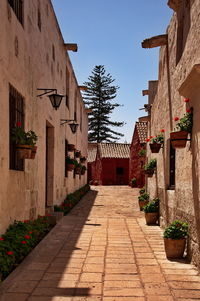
{"x":136,"y":262}
{"x":170,"y":289}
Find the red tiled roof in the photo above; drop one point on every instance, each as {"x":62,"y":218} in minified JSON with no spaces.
{"x":92,"y":151}
{"x":142,"y":131}
{"x":114,"y":150}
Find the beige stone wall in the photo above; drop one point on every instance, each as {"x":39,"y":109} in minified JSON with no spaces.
{"x":27,"y":63}
{"x":183,"y":202}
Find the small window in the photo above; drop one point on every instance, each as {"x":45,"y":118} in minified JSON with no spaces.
{"x":17,"y":6}
{"x":120,"y":170}
{"x":53,"y":53}
{"x":81,"y":117}
{"x":16,"y":112}
{"x":39,"y":19}
{"x":67,"y":86}
{"x":172,"y":166}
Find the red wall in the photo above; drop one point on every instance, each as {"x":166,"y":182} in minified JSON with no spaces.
{"x":107,"y":171}
{"x":136,"y":170}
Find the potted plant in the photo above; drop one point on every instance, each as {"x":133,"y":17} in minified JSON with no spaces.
{"x":83,"y":169}
{"x":70,"y":163}
{"x":143,"y":200}
{"x":151,"y":211}
{"x":156,"y":143}
{"x":142,"y":190}
{"x":77,"y":154}
{"x":70,"y":147}
{"x":78,"y":168}
{"x":133,"y":182}
{"x":184,"y":126}
{"x":175,"y":239}
{"x":25,"y":142}
{"x":149,"y":168}
{"x":82,"y":159}
{"x":142,"y":154}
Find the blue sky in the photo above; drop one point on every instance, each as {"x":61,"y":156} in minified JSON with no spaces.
{"x":109,"y":33}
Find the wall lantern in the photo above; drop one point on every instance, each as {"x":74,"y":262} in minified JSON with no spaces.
{"x":55,"y":98}
{"x":73,"y":125}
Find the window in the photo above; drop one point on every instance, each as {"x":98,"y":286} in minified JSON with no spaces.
{"x":16,"y":112}
{"x":53,"y":53}
{"x":39,"y":19}
{"x":183,"y":19}
{"x":172,"y":167}
{"x":17,"y":6}
{"x":81,"y":117}
{"x":75,"y":106}
{"x":119,"y":170}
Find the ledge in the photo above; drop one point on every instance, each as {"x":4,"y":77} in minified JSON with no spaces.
{"x":156,"y":41}
{"x":145,"y":92}
{"x":191,"y":84}
{"x":71,"y":47}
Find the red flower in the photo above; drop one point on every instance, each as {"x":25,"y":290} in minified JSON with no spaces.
{"x":26,"y":221}
{"x":150,"y":137}
{"x":1,"y":238}
{"x":9,"y":252}
{"x":162,"y":130}
{"x":186,"y":100}
{"x":19,"y":124}
{"x":188,"y":110}
{"x":147,"y":140}
{"x":30,"y":232}
{"x":176,"y":118}
{"x":27,"y":236}
{"x":23,"y":242}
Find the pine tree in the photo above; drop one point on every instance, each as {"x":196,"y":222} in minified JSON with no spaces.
{"x":98,"y":96}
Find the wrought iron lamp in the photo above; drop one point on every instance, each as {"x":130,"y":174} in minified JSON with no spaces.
{"x":55,"y":98}
{"x":73,"y":125}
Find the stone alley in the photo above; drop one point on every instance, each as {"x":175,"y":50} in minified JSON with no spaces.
{"x":102,"y":251}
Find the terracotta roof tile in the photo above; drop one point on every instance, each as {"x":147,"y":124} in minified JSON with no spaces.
{"x":92,"y":151}
{"x":142,"y":131}
{"x":114,"y":150}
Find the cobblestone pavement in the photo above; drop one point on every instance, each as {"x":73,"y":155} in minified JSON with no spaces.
{"x":102,"y":251}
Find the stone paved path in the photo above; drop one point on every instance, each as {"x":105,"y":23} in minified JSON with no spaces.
{"x":102,"y":251}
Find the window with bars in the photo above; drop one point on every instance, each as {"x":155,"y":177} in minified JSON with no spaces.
{"x":16,"y":114}
{"x":18,"y":7}
{"x":172,"y":167}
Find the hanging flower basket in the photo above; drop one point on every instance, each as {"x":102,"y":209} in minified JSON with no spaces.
{"x":77,"y":154}
{"x":24,"y":151}
{"x":149,"y":172}
{"x":77,"y":170}
{"x":155,"y":147}
{"x":71,"y":147}
{"x":82,"y":159}
{"x":178,"y":139}
{"x":70,"y":167}
{"x":33,"y":152}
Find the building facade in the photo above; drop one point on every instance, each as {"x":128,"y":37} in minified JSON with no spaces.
{"x":176,"y":181}
{"x":33,"y":55}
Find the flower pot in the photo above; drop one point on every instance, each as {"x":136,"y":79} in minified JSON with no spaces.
{"x":70,"y":147}
{"x":149,"y":172}
{"x":142,"y":204}
{"x":151,"y":218}
{"x":70,"y":167}
{"x":33,"y":152}
{"x":24,"y":151}
{"x":77,"y":154}
{"x":178,"y":139}
{"x":155,"y":147}
{"x":174,"y":248}
{"x":82,"y":159}
{"x":82,"y":172}
{"x":78,"y":170}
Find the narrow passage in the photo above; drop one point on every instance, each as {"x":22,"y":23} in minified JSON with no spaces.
{"x":102,"y":251}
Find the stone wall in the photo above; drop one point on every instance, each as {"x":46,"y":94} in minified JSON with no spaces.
{"x":31,"y":57}
{"x":183,"y":200}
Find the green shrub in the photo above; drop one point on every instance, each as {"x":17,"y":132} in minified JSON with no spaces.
{"x":176,"y":230}
{"x":142,"y":191}
{"x":19,"y":239}
{"x":151,"y":165}
{"x":143,"y":197}
{"x":152,"y":206}
{"x":142,"y":153}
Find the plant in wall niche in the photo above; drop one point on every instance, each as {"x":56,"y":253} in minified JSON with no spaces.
{"x":142,"y":154}
{"x":70,"y":163}
{"x":25,"y":141}
{"x":156,"y":143}
{"x":142,"y":190}
{"x":143,"y":200}
{"x":175,"y":239}
{"x":149,"y":168}
{"x":151,"y":211}
{"x":184,"y":126}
